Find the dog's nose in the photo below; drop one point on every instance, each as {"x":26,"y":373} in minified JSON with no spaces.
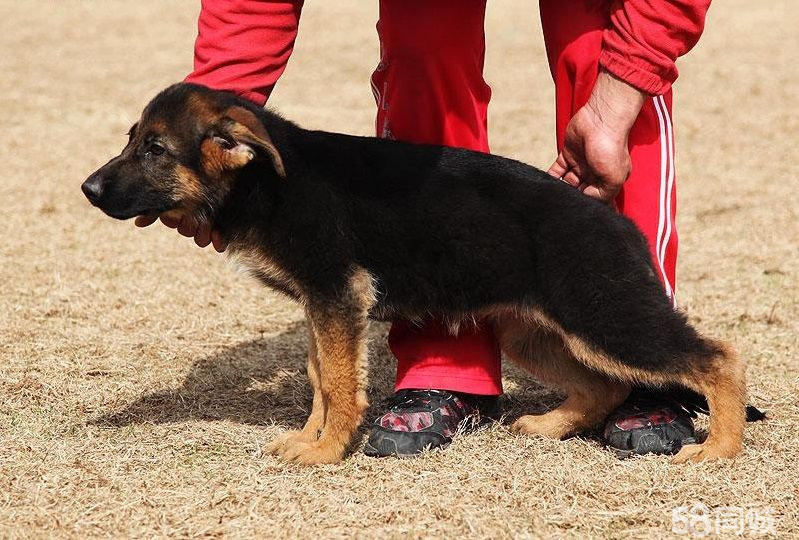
{"x":93,"y":188}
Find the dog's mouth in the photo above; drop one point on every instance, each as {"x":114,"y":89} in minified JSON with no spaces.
{"x":123,"y":213}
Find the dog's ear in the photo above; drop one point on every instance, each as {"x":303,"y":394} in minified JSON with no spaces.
{"x":242,"y":136}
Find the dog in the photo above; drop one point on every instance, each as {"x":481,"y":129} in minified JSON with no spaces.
{"x":355,"y":228}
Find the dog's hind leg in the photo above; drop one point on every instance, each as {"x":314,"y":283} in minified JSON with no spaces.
{"x":316,"y":420}
{"x":724,"y":386}
{"x":709,"y":367}
{"x":590,"y":396}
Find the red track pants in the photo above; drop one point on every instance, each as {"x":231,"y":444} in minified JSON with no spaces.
{"x":429,"y":88}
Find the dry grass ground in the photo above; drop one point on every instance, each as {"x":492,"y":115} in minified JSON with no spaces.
{"x":140,"y":377}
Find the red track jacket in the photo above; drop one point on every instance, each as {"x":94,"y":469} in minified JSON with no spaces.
{"x":244,"y":45}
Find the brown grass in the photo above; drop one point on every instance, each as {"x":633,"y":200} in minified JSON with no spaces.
{"x":141,"y":377}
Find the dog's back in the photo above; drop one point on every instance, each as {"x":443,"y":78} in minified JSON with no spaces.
{"x":450,"y":231}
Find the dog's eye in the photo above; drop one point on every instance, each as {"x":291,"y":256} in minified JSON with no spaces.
{"x":155,"y":149}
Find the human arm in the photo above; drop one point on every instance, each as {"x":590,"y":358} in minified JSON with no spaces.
{"x":639,"y":49}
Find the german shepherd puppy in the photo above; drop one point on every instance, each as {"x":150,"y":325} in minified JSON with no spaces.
{"x":359,"y":227}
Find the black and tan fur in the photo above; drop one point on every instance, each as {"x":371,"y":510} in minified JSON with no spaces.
{"x":359,"y":227}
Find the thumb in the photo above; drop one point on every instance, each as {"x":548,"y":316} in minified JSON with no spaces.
{"x":559,"y":168}
{"x":601,"y":193}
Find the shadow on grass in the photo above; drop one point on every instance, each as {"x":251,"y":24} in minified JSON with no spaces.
{"x":263,"y":381}
{"x":259,"y":382}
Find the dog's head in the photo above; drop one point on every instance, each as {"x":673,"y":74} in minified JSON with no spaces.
{"x":183,"y":155}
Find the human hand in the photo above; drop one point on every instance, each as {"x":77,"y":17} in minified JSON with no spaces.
{"x":595,"y":158}
{"x":203,"y":234}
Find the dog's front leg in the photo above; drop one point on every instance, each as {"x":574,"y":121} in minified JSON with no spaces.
{"x":339,"y":327}
{"x":316,"y":420}
{"x":340,"y":341}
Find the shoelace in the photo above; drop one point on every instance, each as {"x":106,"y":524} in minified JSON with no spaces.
{"x":404,"y":398}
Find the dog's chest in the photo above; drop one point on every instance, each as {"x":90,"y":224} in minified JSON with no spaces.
{"x":255,"y":263}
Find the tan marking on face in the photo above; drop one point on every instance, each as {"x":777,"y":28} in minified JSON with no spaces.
{"x":157,"y":126}
{"x":189,"y":189}
{"x":154,"y":126}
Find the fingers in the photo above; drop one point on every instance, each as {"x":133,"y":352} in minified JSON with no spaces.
{"x":144,"y":221}
{"x":572,"y":179}
{"x":566,"y":170}
{"x":592,"y":191}
{"x":203,"y":236}
{"x":219,"y":244}
{"x":187,"y":227}
{"x":572,"y":172}
{"x":170,"y":222}
{"x":601,"y":193}
{"x":559,"y":168}
{"x":202,"y":233}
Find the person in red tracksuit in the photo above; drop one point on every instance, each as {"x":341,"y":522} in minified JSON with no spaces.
{"x":613,"y":64}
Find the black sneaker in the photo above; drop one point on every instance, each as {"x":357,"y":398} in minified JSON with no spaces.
{"x":419,"y":420}
{"x":649,"y":424}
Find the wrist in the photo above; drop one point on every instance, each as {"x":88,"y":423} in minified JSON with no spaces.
{"x":615,"y":103}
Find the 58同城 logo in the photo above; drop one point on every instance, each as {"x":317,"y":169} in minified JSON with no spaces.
{"x":701,"y":520}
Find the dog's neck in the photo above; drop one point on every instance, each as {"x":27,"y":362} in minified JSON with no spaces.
{"x":249,"y":203}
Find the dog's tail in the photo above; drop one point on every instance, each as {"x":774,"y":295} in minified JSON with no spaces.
{"x":689,"y":401}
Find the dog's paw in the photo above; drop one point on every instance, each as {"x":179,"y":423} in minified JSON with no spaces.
{"x":539,"y":425}
{"x":313,"y":453}
{"x":701,"y":452}
{"x":285,"y":440}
